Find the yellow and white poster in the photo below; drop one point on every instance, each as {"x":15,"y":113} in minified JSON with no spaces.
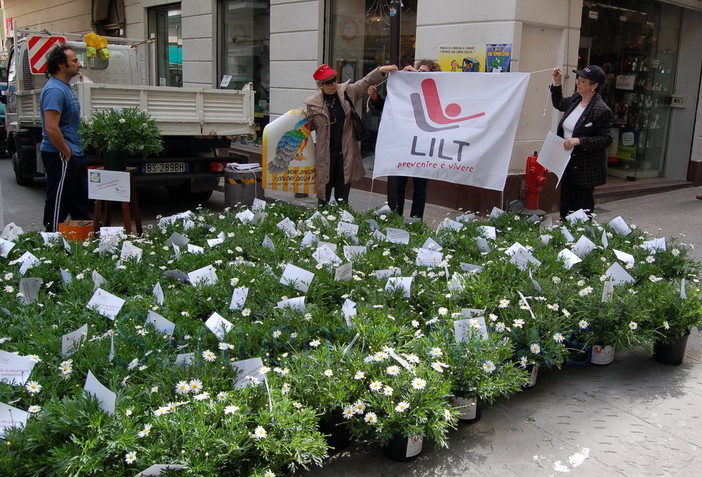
{"x":288,"y":154}
{"x":462,"y":58}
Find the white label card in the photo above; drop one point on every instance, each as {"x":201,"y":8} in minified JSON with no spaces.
{"x":249,"y":372}
{"x":70,"y":342}
{"x":450,"y":224}
{"x":219,"y":325}
{"x":624,"y":257}
{"x":583,"y":246}
{"x":487,"y":231}
{"x":11,"y":417}
{"x":160,"y":323}
{"x":431,"y":244}
{"x":177,"y":239}
{"x":157,"y":468}
{"x":29,"y":289}
{"x":203,"y":276}
{"x":397,"y":235}
{"x":287,"y":226}
{"x":28,"y":261}
{"x":344,"y":272}
{"x":105,"y":303}
{"x":106,"y":398}
{"x":345,"y":228}
{"x":245,"y":216}
{"x":295,"y":304}
{"x":618,"y":275}
{"x":268,"y":243}
{"x":239,"y":296}
{"x":5,"y":247}
{"x":620,"y":226}
{"x":428,"y":258}
{"x":14,"y":369}
{"x":568,"y":258}
{"x":299,"y":278}
{"x":351,"y":251}
{"x":577,"y":216}
{"x":400,"y":283}
{"x":158,"y":293}
{"x":483,"y":246}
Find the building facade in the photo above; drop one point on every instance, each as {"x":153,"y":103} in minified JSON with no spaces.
{"x":649,"y":49}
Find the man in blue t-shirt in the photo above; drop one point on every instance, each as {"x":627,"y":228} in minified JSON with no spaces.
{"x":66,"y":166}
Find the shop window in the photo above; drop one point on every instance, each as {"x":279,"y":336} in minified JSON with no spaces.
{"x":636,"y":43}
{"x":245,"y":52}
{"x":359,"y":41}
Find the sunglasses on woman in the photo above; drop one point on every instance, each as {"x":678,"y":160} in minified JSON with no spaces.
{"x":329,"y":81}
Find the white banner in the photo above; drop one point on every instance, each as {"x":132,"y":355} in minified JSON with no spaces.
{"x":457,"y":128}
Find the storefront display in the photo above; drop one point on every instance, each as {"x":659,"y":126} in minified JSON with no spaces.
{"x":636,"y":43}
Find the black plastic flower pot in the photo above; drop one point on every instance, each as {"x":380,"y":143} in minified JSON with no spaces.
{"x":403,"y":448}
{"x":333,"y":426}
{"x":671,"y":353}
{"x":115,"y":160}
{"x":470,"y":408}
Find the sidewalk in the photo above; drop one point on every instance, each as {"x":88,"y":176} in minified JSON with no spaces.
{"x":634,"y":417}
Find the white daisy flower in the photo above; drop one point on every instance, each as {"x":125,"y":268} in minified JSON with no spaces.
{"x":259,"y":433}
{"x":231,"y":409}
{"x":489,"y":367}
{"x":182,"y":387}
{"x":393,"y":370}
{"x":402,"y":406}
{"x":130,"y":457}
{"x":32,"y":387}
{"x":208,"y":355}
{"x":145,"y":431}
{"x":418,"y":383}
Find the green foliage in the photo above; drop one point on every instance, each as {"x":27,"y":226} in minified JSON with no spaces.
{"x":387,"y":362}
{"x":127,"y":129}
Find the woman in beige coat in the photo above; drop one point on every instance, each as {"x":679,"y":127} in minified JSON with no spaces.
{"x":338,"y":155}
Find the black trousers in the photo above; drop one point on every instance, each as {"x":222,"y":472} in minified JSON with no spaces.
{"x":66,"y":189}
{"x":336,"y":179}
{"x":574,"y":196}
{"x":397,"y":186}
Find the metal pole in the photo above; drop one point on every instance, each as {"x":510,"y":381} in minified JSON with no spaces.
{"x":395,"y":7}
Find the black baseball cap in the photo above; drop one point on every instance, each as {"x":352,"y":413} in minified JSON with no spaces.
{"x":593,"y":73}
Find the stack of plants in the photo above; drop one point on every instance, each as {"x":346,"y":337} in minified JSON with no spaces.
{"x":358,"y":353}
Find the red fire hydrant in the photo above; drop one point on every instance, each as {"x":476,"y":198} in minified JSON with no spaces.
{"x":535,"y":179}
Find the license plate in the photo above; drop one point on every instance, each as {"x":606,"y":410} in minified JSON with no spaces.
{"x":164,"y":167}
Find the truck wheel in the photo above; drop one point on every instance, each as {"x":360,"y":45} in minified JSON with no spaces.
{"x":21,"y":178}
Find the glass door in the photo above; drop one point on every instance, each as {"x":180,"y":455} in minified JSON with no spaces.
{"x":166,"y":24}
{"x":636,"y":43}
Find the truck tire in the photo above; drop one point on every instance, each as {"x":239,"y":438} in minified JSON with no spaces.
{"x":22,"y":176}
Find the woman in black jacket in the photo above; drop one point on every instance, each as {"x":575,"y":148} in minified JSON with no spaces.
{"x":585,"y":126}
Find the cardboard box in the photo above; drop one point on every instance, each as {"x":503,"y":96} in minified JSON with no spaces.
{"x":76,"y":229}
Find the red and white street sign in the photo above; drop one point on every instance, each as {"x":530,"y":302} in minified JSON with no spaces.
{"x":38,"y":47}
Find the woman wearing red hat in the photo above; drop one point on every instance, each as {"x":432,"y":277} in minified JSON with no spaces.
{"x":338,"y":155}
{"x":585,"y":127}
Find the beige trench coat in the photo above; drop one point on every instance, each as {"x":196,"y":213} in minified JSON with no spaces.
{"x":318,"y":116}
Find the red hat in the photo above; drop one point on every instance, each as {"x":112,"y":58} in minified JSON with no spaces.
{"x":324,"y":72}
